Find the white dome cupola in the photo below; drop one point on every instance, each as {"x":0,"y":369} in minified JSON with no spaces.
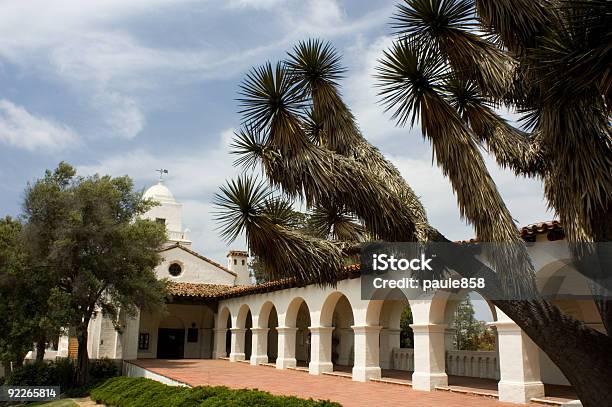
{"x":160,"y":193}
{"x":169,"y":212}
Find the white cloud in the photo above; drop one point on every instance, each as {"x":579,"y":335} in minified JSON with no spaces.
{"x":95,"y":51}
{"x":22,"y":129}
{"x":256,"y":4}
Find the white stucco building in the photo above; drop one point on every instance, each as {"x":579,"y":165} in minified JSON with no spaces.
{"x":216,"y":312}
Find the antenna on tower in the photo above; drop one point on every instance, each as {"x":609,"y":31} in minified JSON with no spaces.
{"x":162,"y":171}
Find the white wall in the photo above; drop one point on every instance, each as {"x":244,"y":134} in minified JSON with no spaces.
{"x":194,"y":269}
{"x":184,"y":315}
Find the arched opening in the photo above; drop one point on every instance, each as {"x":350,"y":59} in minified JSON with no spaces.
{"x":248,"y":336}
{"x":303,"y":337}
{"x":268,"y":319}
{"x":272,"y":336}
{"x":470,"y":343}
{"x":296,"y":345}
{"x":392,"y":312}
{"x":241,"y":350}
{"x":338,"y":314}
{"x":228,"y":335}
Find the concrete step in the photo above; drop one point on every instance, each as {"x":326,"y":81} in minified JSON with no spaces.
{"x":339,"y":374}
{"x":472,"y":392}
{"x":392,"y":381}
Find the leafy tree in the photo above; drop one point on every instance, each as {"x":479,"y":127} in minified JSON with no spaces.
{"x":471,"y":334}
{"x":406,"y":333}
{"x":257,"y":271}
{"x":300,"y":132}
{"x":16,"y":323}
{"x":89,"y":237}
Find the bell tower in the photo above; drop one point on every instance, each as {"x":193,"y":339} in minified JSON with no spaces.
{"x":169,"y":212}
{"x":237,"y":261}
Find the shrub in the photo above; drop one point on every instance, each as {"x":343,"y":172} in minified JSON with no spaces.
{"x":141,"y":392}
{"x":58,"y":373}
{"x":103,"y":368}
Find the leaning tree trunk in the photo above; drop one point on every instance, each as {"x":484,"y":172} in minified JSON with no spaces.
{"x":82,"y":357}
{"x":584,"y":355}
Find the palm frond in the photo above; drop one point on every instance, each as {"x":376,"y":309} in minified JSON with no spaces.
{"x":449,"y":27}
{"x":408,"y":89}
{"x":511,"y":147}
{"x":336,"y":223}
{"x":574,"y":60}
{"x":314,"y":62}
{"x":249,"y":146}
{"x":239,"y":204}
{"x":316,"y":69}
{"x":406,"y":73}
{"x":280,"y":212}
{"x":271,"y":101}
{"x":427,"y":20}
{"x":245,"y":206}
{"x":518,"y":22}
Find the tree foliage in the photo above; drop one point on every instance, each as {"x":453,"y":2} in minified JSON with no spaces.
{"x":406,"y":333}
{"x":89,"y":251}
{"x":470,"y":333}
{"x":17,"y":306}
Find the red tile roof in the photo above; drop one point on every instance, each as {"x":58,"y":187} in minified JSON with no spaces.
{"x":238,"y":253}
{"x":528,"y":232}
{"x":541,"y":227}
{"x":197,"y":289}
{"x":217,"y":291}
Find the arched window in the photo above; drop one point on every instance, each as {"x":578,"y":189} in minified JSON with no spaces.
{"x":175,"y":269}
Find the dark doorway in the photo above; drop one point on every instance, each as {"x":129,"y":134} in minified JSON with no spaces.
{"x":170,"y":343}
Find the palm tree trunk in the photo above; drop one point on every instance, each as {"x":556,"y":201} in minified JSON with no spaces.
{"x":603,"y":237}
{"x":582,"y":354}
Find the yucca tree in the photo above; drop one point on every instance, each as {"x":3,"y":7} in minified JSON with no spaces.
{"x":304,"y":138}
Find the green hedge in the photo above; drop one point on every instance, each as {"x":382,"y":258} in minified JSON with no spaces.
{"x":56,"y":373}
{"x":61,"y":372}
{"x":141,"y":392}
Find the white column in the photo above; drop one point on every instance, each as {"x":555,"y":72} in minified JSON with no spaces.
{"x":320,"y":350}
{"x":219,"y":343}
{"x":366,"y":364}
{"x":130,"y":337}
{"x":259,"y":341}
{"x":429,"y":357}
{"x":286,"y":348}
{"x":389,"y":339}
{"x":519,"y":364}
{"x":237,"y":350}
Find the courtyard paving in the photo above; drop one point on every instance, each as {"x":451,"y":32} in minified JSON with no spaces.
{"x":291,"y":382}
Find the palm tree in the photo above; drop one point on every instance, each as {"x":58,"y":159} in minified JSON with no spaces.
{"x":306,"y":141}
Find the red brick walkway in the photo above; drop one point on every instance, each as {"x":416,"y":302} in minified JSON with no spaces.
{"x":345,"y":391}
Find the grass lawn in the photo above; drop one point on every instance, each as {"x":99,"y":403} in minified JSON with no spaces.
{"x":56,"y":403}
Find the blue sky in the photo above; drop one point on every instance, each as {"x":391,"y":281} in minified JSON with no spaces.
{"x":125,"y":87}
